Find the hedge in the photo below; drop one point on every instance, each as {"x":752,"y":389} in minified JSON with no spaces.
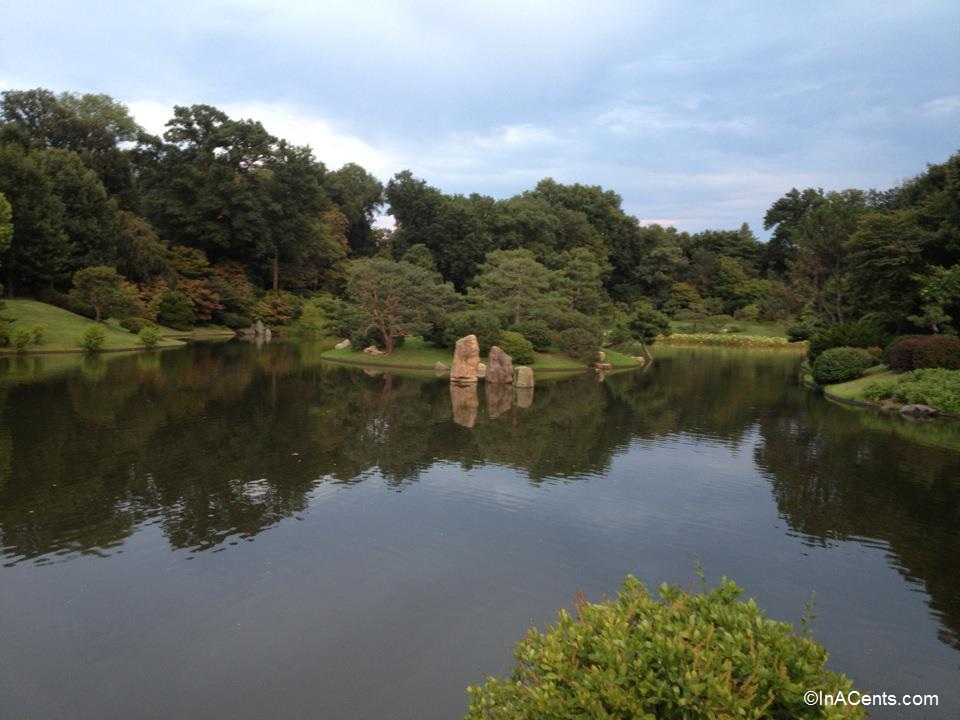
{"x":838,"y":365}
{"x":925,"y":351}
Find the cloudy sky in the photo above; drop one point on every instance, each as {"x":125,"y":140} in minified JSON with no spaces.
{"x":698,"y":114}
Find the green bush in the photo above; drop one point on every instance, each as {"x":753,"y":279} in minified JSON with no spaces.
{"x":580,"y":344}
{"x":485,"y":325}
{"x":235,"y":321}
{"x":799,"y":333}
{"x":175,"y":311}
{"x":149,"y":336}
{"x":937,"y":387}
{"x":838,"y":365}
{"x":38,"y":331}
{"x":537,"y":332}
{"x":93,"y":338}
{"x":134,"y":324}
{"x":278,"y":308}
{"x":687,"y":655}
{"x":857,"y":334}
{"x":517,"y":347}
{"x":22,"y":337}
{"x":925,"y":351}
{"x":4,"y":334}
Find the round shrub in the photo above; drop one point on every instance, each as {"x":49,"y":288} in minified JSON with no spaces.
{"x":841,"y":364}
{"x":536,"y":332}
{"x":134,"y":324}
{"x":22,"y":337}
{"x":580,"y":344}
{"x":799,"y":333}
{"x":175,"y":311}
{"x":235,"y":321}
{"x":149,"y":336}
{"x":4,"y":334}
{"x":93,"y":338}
{"x":856,"y":334}
{"x":685,"y":655}
{"x":925,"y":351}
{"x":483,"y":324}
{"x":517,"y":347}
{"x":38,"y":332}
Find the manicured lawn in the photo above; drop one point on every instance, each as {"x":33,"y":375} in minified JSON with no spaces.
{"x":853,"y":390}
{"x":63,"y":329}
{"x":418,"y":353}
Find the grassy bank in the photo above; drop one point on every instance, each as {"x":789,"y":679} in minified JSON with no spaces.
{"x":853,"y":389}
{"x":418,"y":354}
{"x":732,"y":340}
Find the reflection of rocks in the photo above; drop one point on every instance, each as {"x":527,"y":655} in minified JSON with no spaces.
{"x":372,"y":373}
{"x":373,"y":350}
{"x":466,"y":357}
{"x":440,"y":368}
{"x":342,"y":345}
{"x":500,"y":369}
{"x":499,"y":398}
{"x":524,"y":397}
{"x":481,"y":370}
{"x":465,"y":402}
{"x":601,"y":356}
{"x":603,"y":367}
{"x":524,"y":377}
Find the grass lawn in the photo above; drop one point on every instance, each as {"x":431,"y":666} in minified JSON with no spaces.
{"x":418,"y":353}
{"x":853,"y":389}
{"x":64,"y":328}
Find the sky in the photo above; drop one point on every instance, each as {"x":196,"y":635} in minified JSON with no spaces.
{"x":698,"y":114}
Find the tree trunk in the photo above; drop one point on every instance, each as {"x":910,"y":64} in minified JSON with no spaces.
{"x":97,"y":310}
{"x":276,"y":271}
{"x":388,"y":343}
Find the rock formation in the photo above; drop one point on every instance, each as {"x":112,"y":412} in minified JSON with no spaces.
{"x":342,"y":345}
{"x":524,"y":377}
{"x":466,"y":357}
{"x":500,"y":366}
{"x":373,"y":350}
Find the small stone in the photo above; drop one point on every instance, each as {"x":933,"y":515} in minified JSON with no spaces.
{"x":601,"y":356}
{"x":342,"y":345}
{"x":523,"y":377}
{"x":373,"y":350}
{"x":481,"y":370}
{"x":916,"y":409}
{"x":604,"y":367}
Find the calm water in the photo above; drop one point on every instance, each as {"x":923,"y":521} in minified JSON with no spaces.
{"x":232,"y":532}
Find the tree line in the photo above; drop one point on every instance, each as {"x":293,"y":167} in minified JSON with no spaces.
{"x":240,"y":224}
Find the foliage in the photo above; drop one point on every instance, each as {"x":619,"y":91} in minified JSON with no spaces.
{"x":840,"y":364}
{"x":485,"y":325}
{"x":517,"y":347}
{"x":278,"y":308}
{"x":93,"y":338}
{"x":729,"y":340}
{"x":937,"y":387}
{"x":175,"y":311}
{"x":235,"y":321}
{"x":537,"y":332}
{"x":149,"y":336}
{"x":104,"y":290}
{"x":6,"y":224}
{"x":4,"y":334}
{"x":702,"y":654}
{"x":511,"y":283}
{"x":38,"y":332}
{"x":925,"y":351}
{"x":21,"y":338}
{"x":204,"y":300}
{"x":860,"y":334}
{"x":135,"y":324}
{"x":648,"y":323}
{"x":799,"y":332}
{"x":580,"y":344}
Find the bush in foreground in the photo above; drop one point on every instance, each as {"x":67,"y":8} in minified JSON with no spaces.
{"x":688,"y":655}
{"x":517,"y":347}
{"x":925,"y":351}
{"x":937,"y":387}
{"x":175,"y":311}
{"x":838,"y":365}
{"x":22,"y":337}
{"x":93,"y":338}
{"x":149,"y":336}
{"x":859,"y":334}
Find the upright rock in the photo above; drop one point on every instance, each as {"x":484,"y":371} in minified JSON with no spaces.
{"x":499,"y":366}
{"x":259,"y":329}
{"x":466,"y":357}
{"x":524,"y":377}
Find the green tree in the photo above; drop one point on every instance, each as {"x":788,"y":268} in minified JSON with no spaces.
{"x":358,"y":195}
{"x":102,"y":289}
{"x":393,"y":297}
{"x":784,"y":216}
{"x":6,"y":224}
{"x":511,"y":283}
{"x":647,"y":323}
{"x":580,"y":281}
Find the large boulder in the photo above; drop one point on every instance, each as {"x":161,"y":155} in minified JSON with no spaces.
{"x":499,"y":366}
{"x":342,"y":345}
{"x":466,"y":357}
{"x":917,"y":410}
{"x":465,"y":403}
{"x":523,"y":377}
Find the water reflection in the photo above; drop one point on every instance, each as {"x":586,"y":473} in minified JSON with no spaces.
{"x":214,"y":444}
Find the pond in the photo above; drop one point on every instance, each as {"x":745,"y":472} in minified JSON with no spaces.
{"x":227,"y":531}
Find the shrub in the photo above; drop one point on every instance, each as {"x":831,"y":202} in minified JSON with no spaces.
{"x":702,"y":654}
{"x":841,"y":364}
{"x":856,"y":334}
{"x":936,"y":387}
{"x":134,"y":324}
{"x":580,"y":344}
{"x":38,"y":331}
{"x":235,"y":321}
{"x":517,"y":347}
{"x":149,"y":336}
{"x":925,"y":351}
{"x":175,"y":311}
{"x":750,"y":313}
{"x":799,"y":333}
{"x":4,"y":334}
{"x":278,"y":308}
{"x":485,"y":325}
{"x":22,"y":337}
{"x":93,"y":338}
{"x":536,"y":332}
